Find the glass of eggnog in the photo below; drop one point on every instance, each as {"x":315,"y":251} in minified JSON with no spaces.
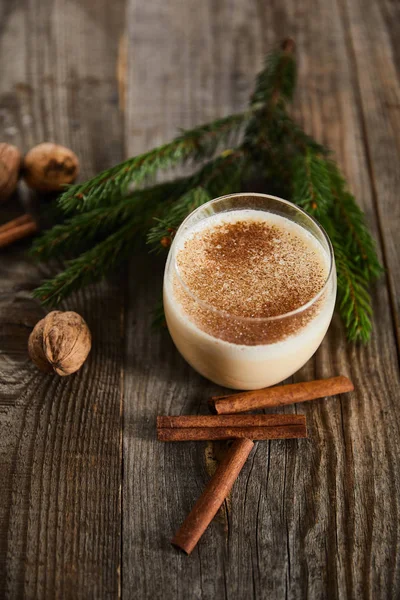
{"x":249,"y":289}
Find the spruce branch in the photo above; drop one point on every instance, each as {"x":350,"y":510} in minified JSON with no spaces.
{"x":276,"y":83}
{"x":353,"y":298}
{"x":195,"y":144}
{"x":351,"y":221}
{"x":274,"y":89}
{"x":311,"y":183}
{"x":348,"y":215}
{"x":89,"y":266}
{"x":285,"y":130}
{"x":319,"y":188}
{"x":79,"y":231}
{"x":220,"y":176}
{"x":105,"y":218}
{"x":160,"y":236}
{"x":158,"y":315}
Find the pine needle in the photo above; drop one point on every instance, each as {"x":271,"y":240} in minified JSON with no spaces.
{"x":311,"y":183}
{"x":276,"y":83}
{"x":160,"y":236}
{"x":357,"y":239}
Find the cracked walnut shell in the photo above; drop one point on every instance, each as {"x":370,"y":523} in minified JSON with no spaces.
{"x":60,"y":343}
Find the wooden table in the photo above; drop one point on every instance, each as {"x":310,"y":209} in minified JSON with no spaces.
{"x":88,"y":498}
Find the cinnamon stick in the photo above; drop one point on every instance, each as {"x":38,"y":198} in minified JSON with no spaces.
{"x":280,"y":395}
{"x":213,"y":496}
{"x":17,"y":229}
{"x":197,"y":434}
{"x":26,"y":218}
{"x":183,"y":421}
{"x":226,"y":427}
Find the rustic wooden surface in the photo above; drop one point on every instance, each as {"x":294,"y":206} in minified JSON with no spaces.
{"x":88,"y":498}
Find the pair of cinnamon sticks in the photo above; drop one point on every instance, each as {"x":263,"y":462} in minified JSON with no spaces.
{"x":243,"y":429}
{"x":228,"y":427}
{"x":17,"y":229}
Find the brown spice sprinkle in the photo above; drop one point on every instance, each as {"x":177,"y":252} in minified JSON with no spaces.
{"x":251,"y":268}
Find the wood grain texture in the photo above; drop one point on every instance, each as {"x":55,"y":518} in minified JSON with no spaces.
{"x":357,"y":461}
{"x":373,"y":39}
{"x":60,"y":452}
{"x":313,"y":518}
{"x":316,"y":518}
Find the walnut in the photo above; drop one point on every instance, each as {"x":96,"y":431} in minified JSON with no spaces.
{"x":10,"y":162}
{"x":48,"y":167}
{"x":60,"y":342}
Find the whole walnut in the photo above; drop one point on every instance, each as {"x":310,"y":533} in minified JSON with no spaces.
{"x":60,"y":343}
{"x":10,"y":162}
{"x":48,"y":167}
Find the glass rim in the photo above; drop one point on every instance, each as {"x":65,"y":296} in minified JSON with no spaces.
{"x":229,"y":315}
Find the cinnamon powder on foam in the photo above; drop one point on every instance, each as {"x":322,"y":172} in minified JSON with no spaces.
{"x":249,"y":269}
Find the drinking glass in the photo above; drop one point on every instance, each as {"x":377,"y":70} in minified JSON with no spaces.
{"x":242,"y":352}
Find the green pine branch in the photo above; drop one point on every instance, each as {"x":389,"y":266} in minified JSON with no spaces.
{"x":276,"y":83}
{"x":354,"y":299}
{"x":78,"y":232}
{"x":195,"y":145}
{"x":158,"y":315}
{"x":285,"y":130}
{"x":104,"y":218}
{"x":89,"y":266}
{"x":160,"y":236}
{"x":274,"y":88}
{"x":320,"y":189}
{"x":357,"y":239}
{"x":220,"y":176}
{"x":311,"y":183}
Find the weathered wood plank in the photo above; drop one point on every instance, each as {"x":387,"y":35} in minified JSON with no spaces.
{"x":374,"y":30}
{"x":60,"y":456}
{"x":316,"y":518}
{"x":312,"y":518}
{"x":360,"y":474}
